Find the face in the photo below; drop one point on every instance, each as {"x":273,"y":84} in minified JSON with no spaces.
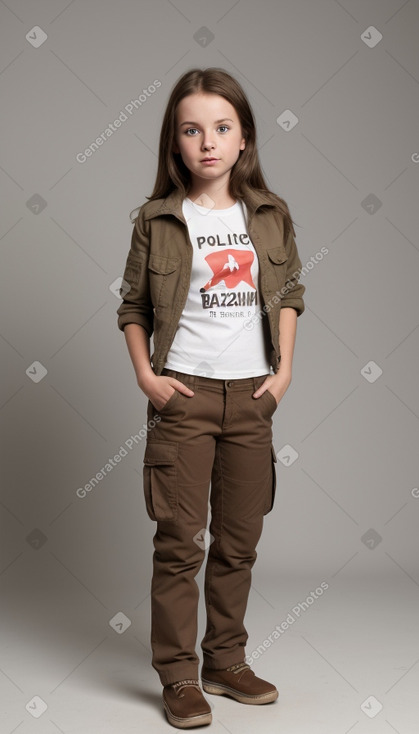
{"x":207,"y":126}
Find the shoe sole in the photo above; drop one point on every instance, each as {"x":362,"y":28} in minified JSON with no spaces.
{"x":219,"y":689}
{"x":190,"y":722}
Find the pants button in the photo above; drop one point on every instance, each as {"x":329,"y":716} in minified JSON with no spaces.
{"x":230,"y":384}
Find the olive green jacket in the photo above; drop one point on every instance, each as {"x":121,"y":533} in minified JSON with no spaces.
{"x":157,"y":274}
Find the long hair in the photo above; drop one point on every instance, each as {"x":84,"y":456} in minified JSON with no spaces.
{"x":246,"y":174}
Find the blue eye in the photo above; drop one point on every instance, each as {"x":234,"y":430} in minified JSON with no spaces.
{"x":191,"y":130}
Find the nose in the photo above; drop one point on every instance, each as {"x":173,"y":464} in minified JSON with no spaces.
{"x":207,"y":142}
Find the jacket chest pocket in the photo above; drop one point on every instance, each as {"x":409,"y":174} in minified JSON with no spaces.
{"x":163,"y":278}
{"x":277,"y":262}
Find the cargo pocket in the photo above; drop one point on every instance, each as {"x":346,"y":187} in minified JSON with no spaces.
{"x":160,"y":480}
{"x":272,"y":490}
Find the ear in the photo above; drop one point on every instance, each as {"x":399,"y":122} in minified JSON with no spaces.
{"x":242,"y":144}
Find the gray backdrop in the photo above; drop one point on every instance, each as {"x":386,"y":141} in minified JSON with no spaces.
{"x":334,"y":88}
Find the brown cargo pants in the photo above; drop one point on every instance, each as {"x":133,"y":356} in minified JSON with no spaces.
{"x":221,"y":436}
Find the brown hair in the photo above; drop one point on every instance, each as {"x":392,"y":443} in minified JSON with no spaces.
{"x":246,"y":174}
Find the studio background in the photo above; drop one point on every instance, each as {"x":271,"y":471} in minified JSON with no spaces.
{"x":334,"y":89}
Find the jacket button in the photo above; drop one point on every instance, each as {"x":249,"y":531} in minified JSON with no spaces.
{"x":230,"y":384}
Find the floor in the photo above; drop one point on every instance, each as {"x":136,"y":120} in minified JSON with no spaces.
{"x":344,"y":658}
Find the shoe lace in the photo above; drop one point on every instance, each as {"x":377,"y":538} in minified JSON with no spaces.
{"x":180,"y":684}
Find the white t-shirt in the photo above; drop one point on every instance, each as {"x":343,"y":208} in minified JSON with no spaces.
{"x":216,"y":336}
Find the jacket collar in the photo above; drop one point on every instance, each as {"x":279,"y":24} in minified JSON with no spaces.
{"x":172,"y":204}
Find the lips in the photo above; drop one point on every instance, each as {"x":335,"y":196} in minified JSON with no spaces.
{"x":209,"y":159}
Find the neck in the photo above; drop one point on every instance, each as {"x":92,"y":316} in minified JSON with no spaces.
{"x":211,"y":196}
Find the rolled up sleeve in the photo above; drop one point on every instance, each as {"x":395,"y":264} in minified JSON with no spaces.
{"x":136,"y":307}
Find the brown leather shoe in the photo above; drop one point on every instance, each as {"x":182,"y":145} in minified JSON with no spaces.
{"x":239,"y":682}
{"x":185,"y":705}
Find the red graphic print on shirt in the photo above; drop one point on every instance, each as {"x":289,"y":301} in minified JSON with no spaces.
{"x":231,"y":266}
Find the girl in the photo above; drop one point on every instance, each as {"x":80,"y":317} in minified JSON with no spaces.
{"x":213,"y":275}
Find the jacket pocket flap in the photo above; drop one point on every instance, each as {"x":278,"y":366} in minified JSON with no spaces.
{"x":277,"y":255}
{"x":160,"y":452}
{"x":163,"y":265}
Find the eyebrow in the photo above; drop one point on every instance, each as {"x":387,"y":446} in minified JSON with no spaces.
{"x":217,"y":122}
